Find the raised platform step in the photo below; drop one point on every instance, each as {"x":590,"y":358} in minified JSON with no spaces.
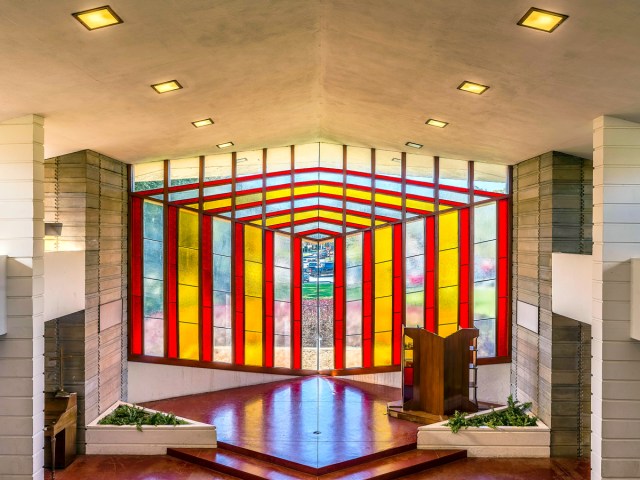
{"x":251,"y":468}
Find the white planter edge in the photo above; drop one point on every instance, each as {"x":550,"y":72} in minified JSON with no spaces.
{"x":153,"y":440}
{"x":488,"y":442}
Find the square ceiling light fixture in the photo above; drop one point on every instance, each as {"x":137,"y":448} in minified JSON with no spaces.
{"x":225,"y":145}
{"x":543,"y":20}
{"x":472,"y":87}
{"x":436,"y":123}
{"x":98,"y":17}
{"x":413,"y":145}
{"x":202,"y":123}
{"x":165,"y":87}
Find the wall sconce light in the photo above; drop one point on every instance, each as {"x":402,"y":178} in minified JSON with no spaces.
{"x":3,"y":294}
{"x":53,"y":229}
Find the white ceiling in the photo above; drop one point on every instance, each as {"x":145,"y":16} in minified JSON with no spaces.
{"x":360,"y":72}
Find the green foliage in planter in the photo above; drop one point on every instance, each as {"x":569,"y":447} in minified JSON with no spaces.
{"x":132,"y":415}
{"x":513,"y":416}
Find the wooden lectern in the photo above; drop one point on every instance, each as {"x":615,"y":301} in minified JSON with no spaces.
{"x":436,"y":371}
{"x":60,"y":420}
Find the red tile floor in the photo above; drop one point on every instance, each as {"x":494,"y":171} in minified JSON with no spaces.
{"x":283,"y":419}
{"x":314,"y":421}
{"x":168,"y":468}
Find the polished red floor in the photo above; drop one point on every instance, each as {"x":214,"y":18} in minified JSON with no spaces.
{"x":166,"y":468}
{"x":312,"y":421}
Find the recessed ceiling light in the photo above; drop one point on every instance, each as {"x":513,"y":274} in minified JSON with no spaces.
{"x":472,"y":87}
{"x":165,"y":87}
{"x":436,"y":123}
{"x":413,"y":145}
{"x":98,"y":17}
{"x":202,"y":123}
{"x":225,"y":145}
{"x":544,"y":20}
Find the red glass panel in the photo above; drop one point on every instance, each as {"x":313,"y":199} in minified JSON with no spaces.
{"x":338,"y":304}
{"x":206,"y":281}
{"x":430,"y":278}
{"x":171,"y":241}
{"x":503,"y":280}
{"x":297,"y":303}
{"x":239,"y":285}
{"x":268,"y":298}
{"x":465,"y":279}
{"x":398,"y":296}
{"x":367,"y":301}
{"x":136,"y":275}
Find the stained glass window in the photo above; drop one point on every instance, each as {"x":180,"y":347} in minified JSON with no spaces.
{"x":188,"y":285}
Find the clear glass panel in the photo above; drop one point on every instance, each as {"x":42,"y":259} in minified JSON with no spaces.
{"x":415,"y":309}
{"x":148,"y":176}
{"x":153,"y":298}
{"x":282,"y":316}
{"x":221,"y":237}
{"x":282,"y":250}
{"x":249,"y":163}
{"x":354,"y":249}
{"x":282,"y":284}
{"x":487,"y":337}
{"x":454,"y":172}
{"x":415,"y":274}
{"x":490,"y":177}
{"x":354,"y":317}
{"x":484,"y":299}
{"x":154,"y":337}
{"x":353,"y":358}
{"x":331,"y":156}
{"x":222,"y":309}
{"x":484,"y":221}
{"x":184,"y":171}
{"x":282,"y":351}
{"x":279,"y":159}
{"x":415,"y":233}
{"x":217,"y":167}
{"x":222,"y":273}
{"x":359,"y":159}
{"x":153,"y":219}
{"x":307,"y":156}
{"x":153,"y":264}
{"x":222,"y":338}
{"x":354,"y":283}
{"x":484,"y":267}
{"x":419,"y":167}
{"x":388,"y":163}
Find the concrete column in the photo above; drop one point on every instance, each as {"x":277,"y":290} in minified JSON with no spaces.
{"x":22,"y":348}
{"x":615,"y":421}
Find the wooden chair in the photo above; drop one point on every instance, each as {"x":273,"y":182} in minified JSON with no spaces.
{"x":60,"y":420}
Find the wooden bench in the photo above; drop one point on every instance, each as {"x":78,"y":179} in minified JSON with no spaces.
{"x":60,"y":423}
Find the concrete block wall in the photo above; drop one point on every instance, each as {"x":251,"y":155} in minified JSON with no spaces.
{"x":22,"y":347}
{"x":615,"y":437}
{"x":551,"y":213}
{"x":87,"y":193}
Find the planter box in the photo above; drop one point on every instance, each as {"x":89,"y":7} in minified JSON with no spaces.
{"x":153,"y":440}
{"x":488,"y":442}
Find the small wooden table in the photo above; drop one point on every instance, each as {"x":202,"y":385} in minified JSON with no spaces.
{"x":60,"y":420}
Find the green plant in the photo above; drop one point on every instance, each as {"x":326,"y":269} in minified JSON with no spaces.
{"x":512,"y":416}
{"x":133,"y":415}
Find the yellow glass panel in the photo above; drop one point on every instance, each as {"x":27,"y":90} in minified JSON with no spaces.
{"x":330,"y":215}
{"x":380,"y":222}
{"x":331,"y":190}
{"x":388,"y":199}
{"x":193,"y":205}
{"x":282,"y":193}
{"x":306,"y":215}
{"x":417,"y":204}
{"x":221,"y":203}
{"x":448,"y":268}
{"x":382,"y":349}
{"x":253,"y":279}
{"x":252,"y":197}
{"x":448,"y":305}
{"x":253,"y":314}
{"x":448,"y":329}
{"x":189,"y":347}
{"x":278,"y":220}
{"x":256,"y":222}
{"x":253,"y":244}
{"x":408,"y":348}
{"x":384,"y":279}
{"x":305,"y":190}
{"x":253,"y":348}
{"x":384,"y":244}
{"x":188,"y":229}
{"x":188,"y":304}
{"x":359,"y":220}
{"x":448,"y":233}
{"x":383,"y":314}
{"x":361,"y":194}
{"x":188,"y":266}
